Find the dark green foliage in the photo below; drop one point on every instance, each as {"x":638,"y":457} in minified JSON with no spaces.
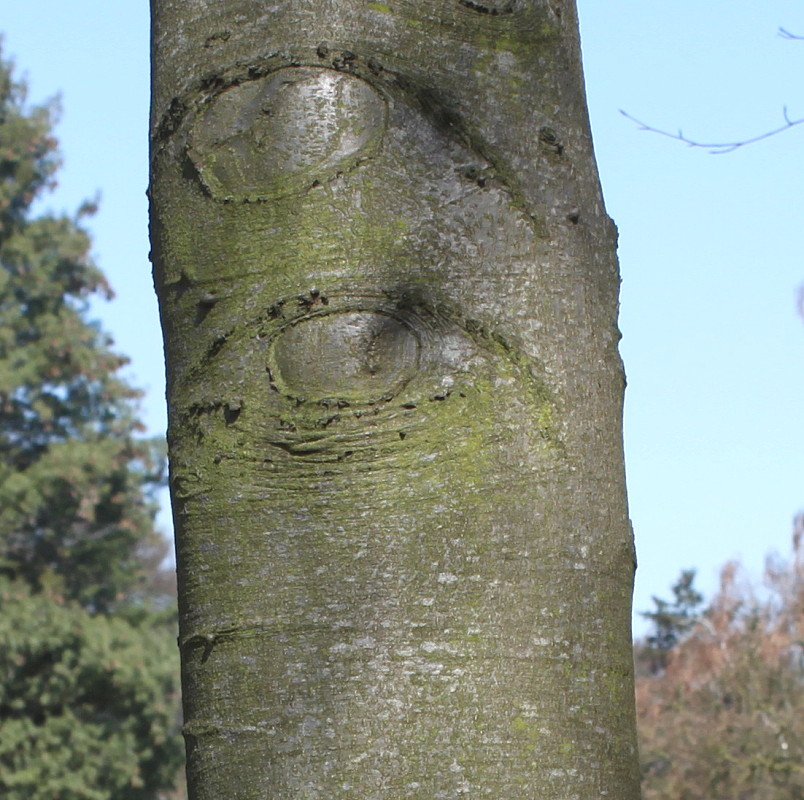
{"x":88,"y":663}
{"x":87,"y":702}
{"x":75,"y":481}
{"x":28,"y":157}
{"x":671,"y":620}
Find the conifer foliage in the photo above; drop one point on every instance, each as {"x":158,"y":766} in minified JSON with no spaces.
{"x":87,"y":702}
{"x":88,"y":669}
{"x":74,"y":485}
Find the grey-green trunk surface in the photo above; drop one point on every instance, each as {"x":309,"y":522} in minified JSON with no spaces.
{"x":389,"y":294}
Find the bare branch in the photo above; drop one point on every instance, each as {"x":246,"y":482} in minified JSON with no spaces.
{"x":718,"y":148}
{"x":785,"y":34}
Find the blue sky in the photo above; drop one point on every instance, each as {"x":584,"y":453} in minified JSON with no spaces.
{"x":710,"y":246}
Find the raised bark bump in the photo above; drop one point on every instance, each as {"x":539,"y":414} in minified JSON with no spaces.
{"x":353,"y":356}
{"x":247,"y":143}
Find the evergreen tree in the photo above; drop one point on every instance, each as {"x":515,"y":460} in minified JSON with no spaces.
{"x":75,"y":481}
{"x":89,"y":699}
{"x":87,"y":702}
{"x":671,"y":621}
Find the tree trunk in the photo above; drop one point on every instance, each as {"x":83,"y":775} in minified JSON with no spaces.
{"x":388,"y":288}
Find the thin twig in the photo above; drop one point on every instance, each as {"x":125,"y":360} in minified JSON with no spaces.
{"x":718,"y":148}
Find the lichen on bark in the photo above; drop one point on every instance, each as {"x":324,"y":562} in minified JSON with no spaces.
{"x":388,"y":289}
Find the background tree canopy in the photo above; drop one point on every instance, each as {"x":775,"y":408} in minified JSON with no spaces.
{"x":87,"y":703}
{"x":719,"y":700}
{"x":89,"y":699}
{"x":76,"y":483}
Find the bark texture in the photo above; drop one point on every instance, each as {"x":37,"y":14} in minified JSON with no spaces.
{"x":389,"y":295}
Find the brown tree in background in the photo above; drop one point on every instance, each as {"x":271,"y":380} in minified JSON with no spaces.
{"x":723,"y":720}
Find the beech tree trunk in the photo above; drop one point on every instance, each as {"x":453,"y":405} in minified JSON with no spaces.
{"x":388,"y":288}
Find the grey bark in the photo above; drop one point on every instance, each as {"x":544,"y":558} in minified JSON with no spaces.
{"x":388,"y":288}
